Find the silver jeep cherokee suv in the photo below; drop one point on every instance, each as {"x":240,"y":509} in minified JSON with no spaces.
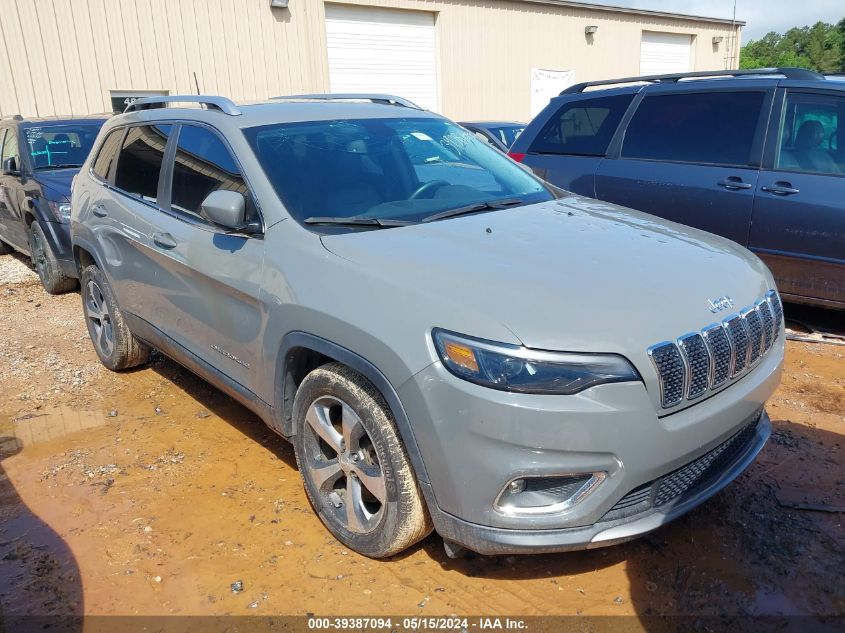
{"x":449,"y":342}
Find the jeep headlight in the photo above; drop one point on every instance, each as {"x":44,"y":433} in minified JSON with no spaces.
{"x":514,"y":368}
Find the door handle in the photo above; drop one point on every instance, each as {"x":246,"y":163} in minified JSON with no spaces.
{"x":164,"y":240}
{"x":99,"y":211}
{"x":781,"y":188}
{"x":734,"y":183}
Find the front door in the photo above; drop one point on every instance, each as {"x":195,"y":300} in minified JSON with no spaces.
{"x":11,"y":194}
{"x":210,"y":303}
{"x":798,"y":225}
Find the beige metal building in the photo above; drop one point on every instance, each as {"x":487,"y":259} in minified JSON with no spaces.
{"x":469,"y":59}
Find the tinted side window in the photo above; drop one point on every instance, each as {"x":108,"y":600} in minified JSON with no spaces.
{"x":107,"y":154}
{"x":812,"y":133}
{"x":203,"y":164}
{"x":715,"y":128}
{"x":140,"y":160}
{"x":583,"y":127}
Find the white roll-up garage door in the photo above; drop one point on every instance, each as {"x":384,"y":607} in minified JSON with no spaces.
{"x":662,"y":53}
{"x":383,"y":50}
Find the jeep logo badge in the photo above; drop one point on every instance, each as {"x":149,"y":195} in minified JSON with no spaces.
{"x":722,"y":303}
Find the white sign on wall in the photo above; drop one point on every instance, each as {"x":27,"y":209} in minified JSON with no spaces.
{"x":546,"y":84}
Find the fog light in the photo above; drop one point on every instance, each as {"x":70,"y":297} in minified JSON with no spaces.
{"x":545,"y":495}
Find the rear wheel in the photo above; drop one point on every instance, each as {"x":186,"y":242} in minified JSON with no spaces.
{"x":46,"y":264}
{"x":114,"y":343}
{"x":353,"y":464}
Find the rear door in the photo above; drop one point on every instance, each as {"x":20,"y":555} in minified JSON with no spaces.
{"x":798,"y":225}
{"x":573,"y":138}
{"x":207,"y":280}
{"x":691,"y":155}
{"x":123,"y":208}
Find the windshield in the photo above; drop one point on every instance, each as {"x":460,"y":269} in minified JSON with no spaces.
{"x":389,"y":169}
{"x":507,"y":134}
{"x":52,"y":146}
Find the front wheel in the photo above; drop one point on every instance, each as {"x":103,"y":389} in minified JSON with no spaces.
{"x":46,"y":264}
{"x":355,"y":469}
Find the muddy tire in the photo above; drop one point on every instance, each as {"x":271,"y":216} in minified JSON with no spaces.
{"x":114,"y":343}
{"x":46,"y":264}
{"x":354,"y":466}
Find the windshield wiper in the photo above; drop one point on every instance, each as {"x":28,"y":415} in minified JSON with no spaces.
{"x":356,"y":221}
{"x":64,"y":166}
{"x":473,"y":208}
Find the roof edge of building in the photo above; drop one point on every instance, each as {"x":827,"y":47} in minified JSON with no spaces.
{"x":649,"y":12}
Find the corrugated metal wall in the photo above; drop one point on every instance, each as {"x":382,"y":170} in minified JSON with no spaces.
{"x":66,"y":56}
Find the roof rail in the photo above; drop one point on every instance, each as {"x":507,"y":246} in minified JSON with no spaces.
{"x":789,"y":73}
{"x":224,"y":105}
{"x":354,"y":96}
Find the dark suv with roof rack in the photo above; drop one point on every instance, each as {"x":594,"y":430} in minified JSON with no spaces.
{"x":40,"y":157}
{"x":757,"y":156}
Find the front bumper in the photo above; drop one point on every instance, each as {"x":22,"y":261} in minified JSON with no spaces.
{"x":475,"y":440}
{"x":491,"y":541}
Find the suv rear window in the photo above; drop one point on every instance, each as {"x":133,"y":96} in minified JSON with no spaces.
{"x":140,"y":160}
{"x":715,"y":128}
{"x":584,"y":127}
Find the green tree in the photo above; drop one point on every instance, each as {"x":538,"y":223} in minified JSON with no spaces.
{"x":820,"y":47}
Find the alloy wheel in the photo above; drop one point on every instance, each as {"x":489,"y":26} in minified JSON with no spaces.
{"x":341,"y":461}
{"x":97,"y":311}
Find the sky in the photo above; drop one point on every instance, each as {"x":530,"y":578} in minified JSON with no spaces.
{"x":762,"y":16}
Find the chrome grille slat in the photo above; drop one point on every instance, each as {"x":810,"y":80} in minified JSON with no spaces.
{"x":764,"y":308}
{"x":704,"y":361}
{"x":697,"y":361}
{"x":671,"y":371}
{"x":720,"y":354}
{"x":738,"y":337}
{"x":754,"y":323}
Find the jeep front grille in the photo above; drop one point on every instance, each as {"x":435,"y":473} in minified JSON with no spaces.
{"x":703,"y":361}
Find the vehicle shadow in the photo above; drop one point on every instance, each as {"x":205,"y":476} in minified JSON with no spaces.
{"x":224,"y":407}
{"x":40,"y":582}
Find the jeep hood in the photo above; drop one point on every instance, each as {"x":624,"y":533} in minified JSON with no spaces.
{"x":572,"y":274}
{"x":56,"y":182}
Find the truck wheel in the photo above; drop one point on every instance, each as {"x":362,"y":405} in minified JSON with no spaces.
{"x":114,"y":343}
{"x":355,"y":469}
{"x":46,"y":265}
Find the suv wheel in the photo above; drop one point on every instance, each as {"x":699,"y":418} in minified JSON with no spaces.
{"x":46,"y":265}
{"x":354,"y":466}
{"x":114,"y":343}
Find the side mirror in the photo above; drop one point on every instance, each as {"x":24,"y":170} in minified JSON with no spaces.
{"x":226,"y":208}
{"x":10,"y":166}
